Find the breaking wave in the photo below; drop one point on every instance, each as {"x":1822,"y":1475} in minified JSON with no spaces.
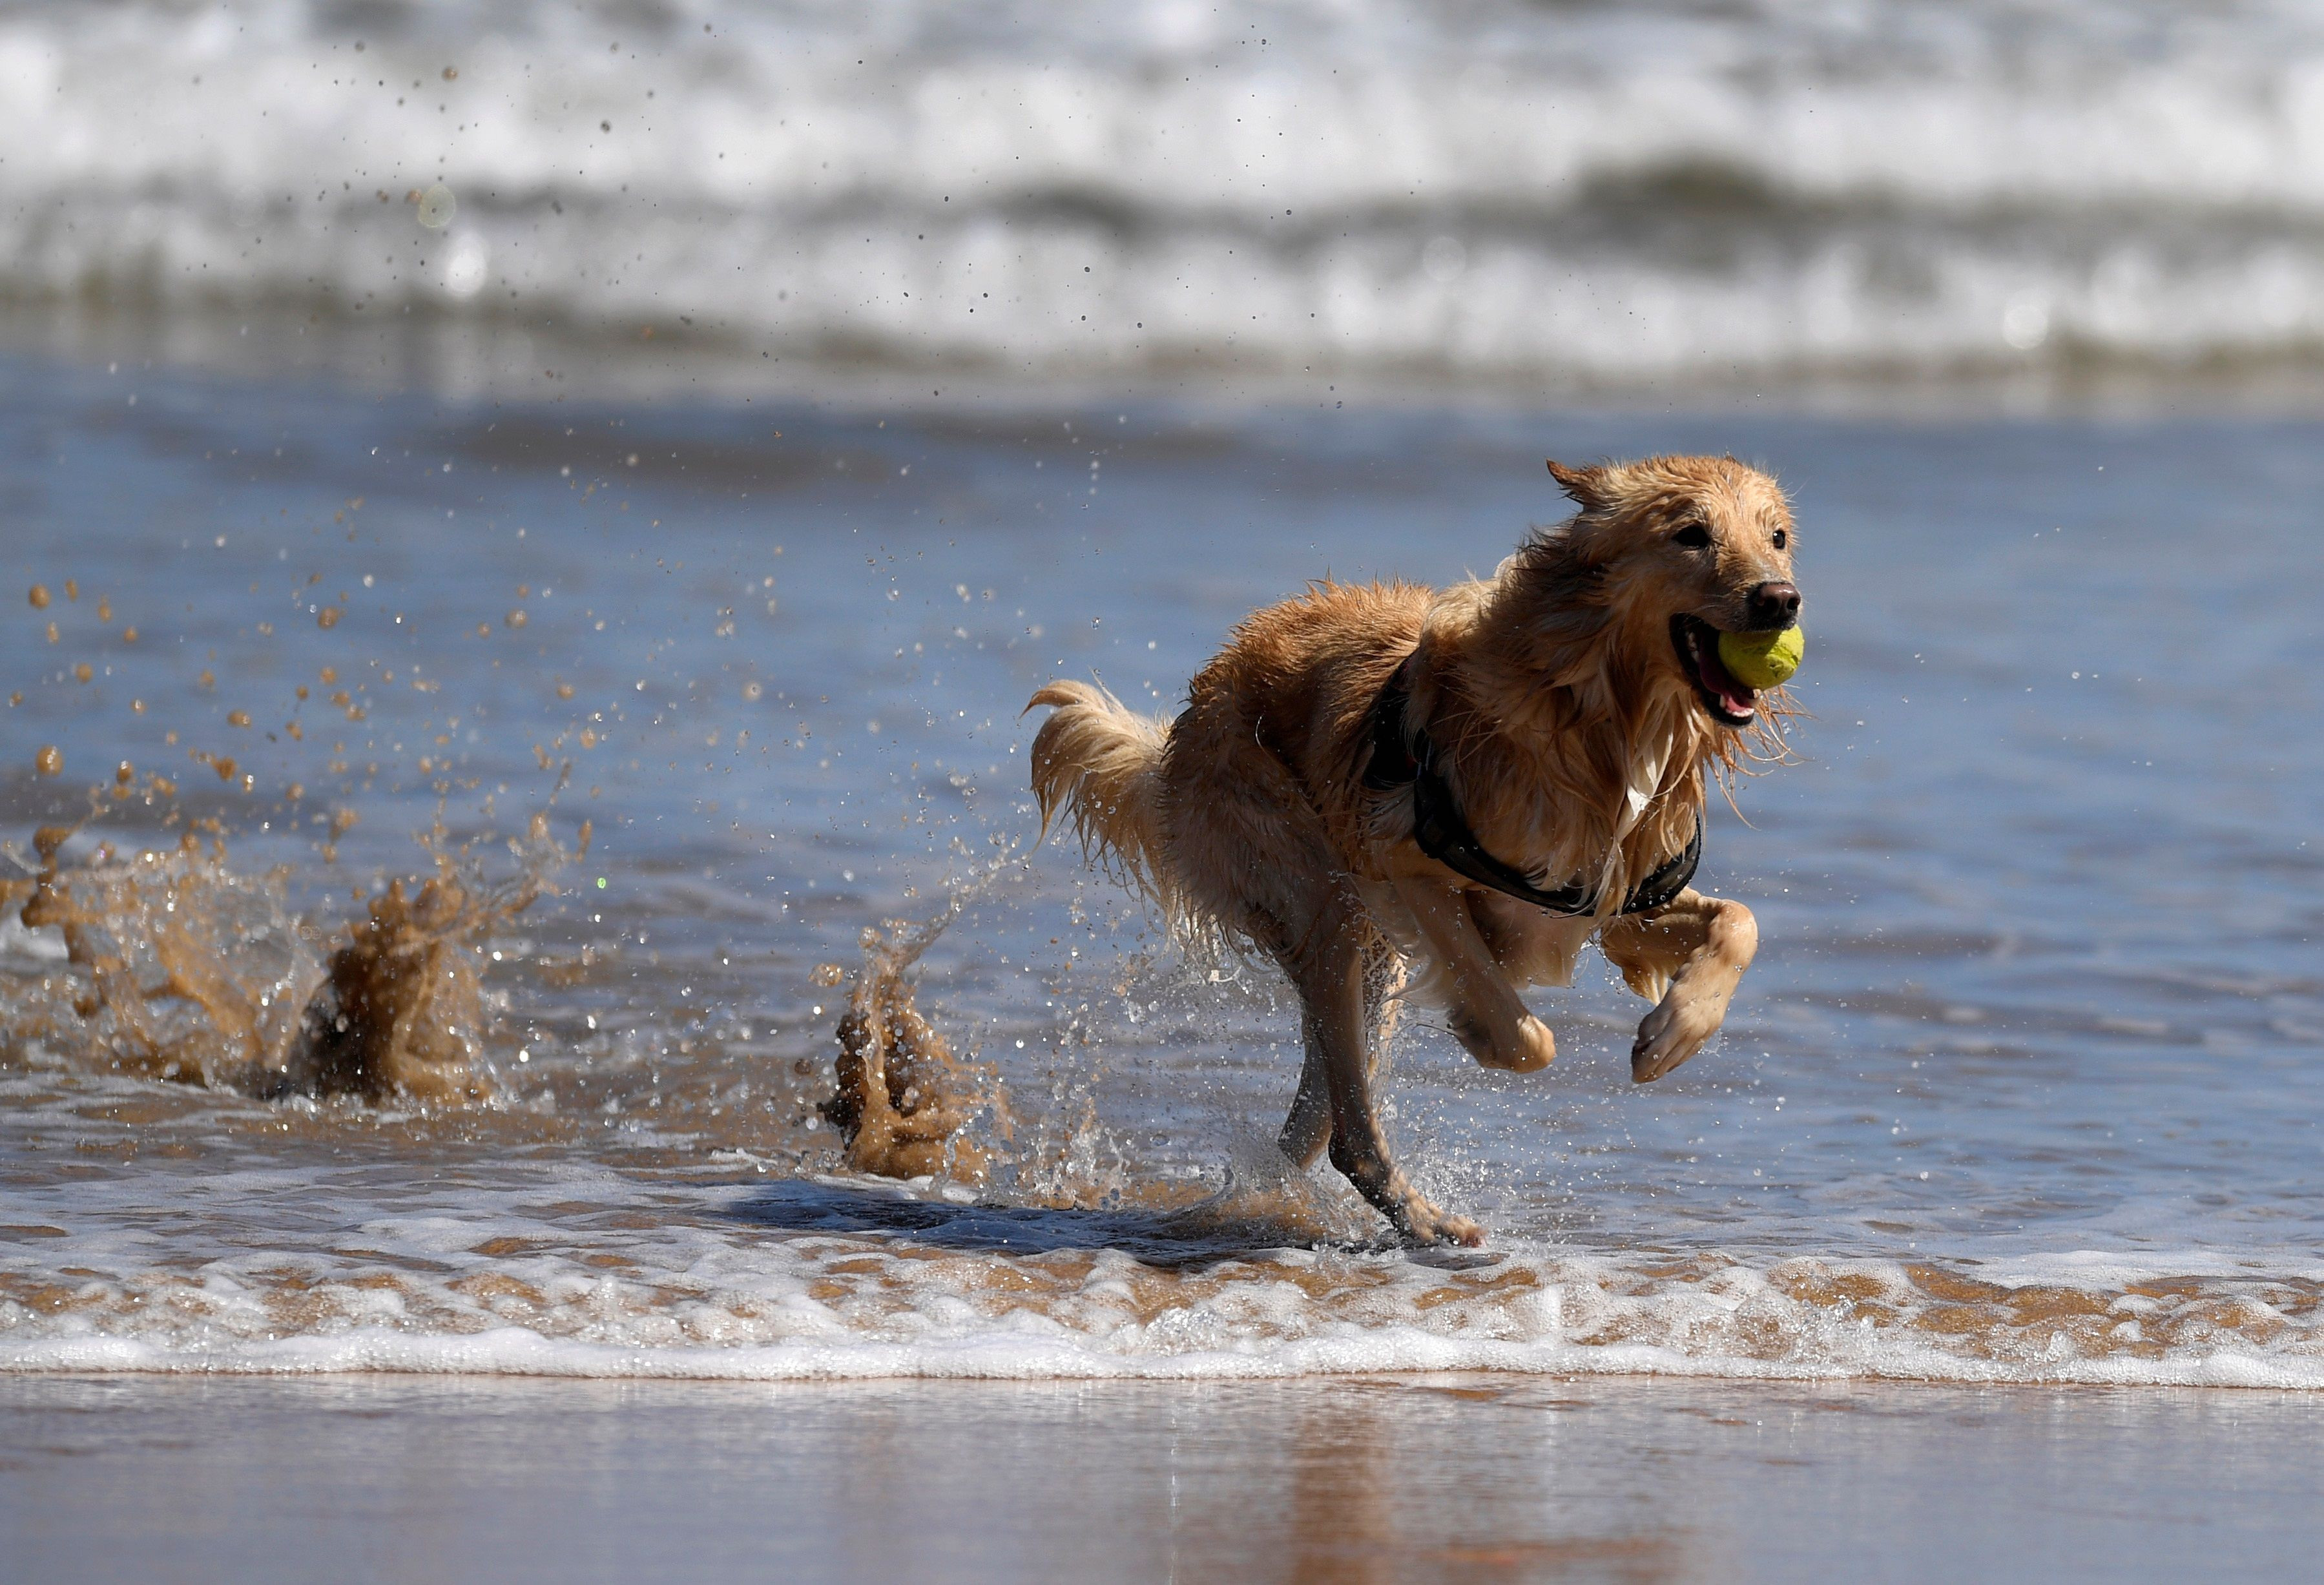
{"x":1588,"y":192}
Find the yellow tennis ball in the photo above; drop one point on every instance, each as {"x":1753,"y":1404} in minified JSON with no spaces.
{"x":1762,"y":660}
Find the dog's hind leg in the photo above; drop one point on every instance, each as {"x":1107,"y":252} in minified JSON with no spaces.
{"x":1247,"y":847}
{"x":1690,"y":956}
{"x":1328,"y":968}
{"x":1308,"y":1129}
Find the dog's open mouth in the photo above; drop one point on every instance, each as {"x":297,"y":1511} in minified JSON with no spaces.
{"x":1730,"y":702}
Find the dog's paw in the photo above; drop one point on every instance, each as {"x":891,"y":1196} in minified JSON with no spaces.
{"x":1528,"y":1050}
{"x":1674,"y":1031}
{"x":1425,"y":1225}
{"x":1538,"y":1048}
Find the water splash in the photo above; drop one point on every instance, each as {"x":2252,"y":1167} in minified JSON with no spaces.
{"x":175,"y":965}
{"x":904,"y":1095}
{"x":400,"y":1009}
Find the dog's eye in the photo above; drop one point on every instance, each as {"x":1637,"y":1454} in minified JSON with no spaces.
{"x":1694,"y":537}
{"x":1781,"y":539}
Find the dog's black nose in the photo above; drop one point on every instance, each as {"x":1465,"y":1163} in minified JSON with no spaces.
{"x":1775,"y":604}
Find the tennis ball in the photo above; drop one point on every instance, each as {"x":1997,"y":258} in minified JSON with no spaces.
{"x":1762,"y":660}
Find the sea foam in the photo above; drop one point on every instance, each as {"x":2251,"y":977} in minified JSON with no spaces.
{"x":577,"y":1273}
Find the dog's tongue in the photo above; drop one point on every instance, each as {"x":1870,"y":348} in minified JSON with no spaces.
{"x":1739,"y":699}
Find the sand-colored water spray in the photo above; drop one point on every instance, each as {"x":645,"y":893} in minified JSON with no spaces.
{"x":178,"y":966}
{"x":904,"y":1094}
{"x":400,"y":1009}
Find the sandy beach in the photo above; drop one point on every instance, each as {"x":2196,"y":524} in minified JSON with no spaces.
{"x":1370,"y":1478}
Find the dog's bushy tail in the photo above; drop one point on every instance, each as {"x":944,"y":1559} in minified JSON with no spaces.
{"x":1100,"y":763}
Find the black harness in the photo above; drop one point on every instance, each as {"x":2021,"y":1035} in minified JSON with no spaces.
{"x":1404,"y":757}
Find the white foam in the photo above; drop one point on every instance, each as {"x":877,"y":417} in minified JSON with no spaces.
{"x":578,"y":1272}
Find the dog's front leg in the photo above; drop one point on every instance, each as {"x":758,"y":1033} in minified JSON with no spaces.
{"x":1485,"y":1012}
{"x":1329,"y":974}
{"x":1691,"y":955}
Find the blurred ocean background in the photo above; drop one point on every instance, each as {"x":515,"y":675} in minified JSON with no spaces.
{"x":1533,"y":199}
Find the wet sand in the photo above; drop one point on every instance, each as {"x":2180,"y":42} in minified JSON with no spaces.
{"x":1349,"y":1479}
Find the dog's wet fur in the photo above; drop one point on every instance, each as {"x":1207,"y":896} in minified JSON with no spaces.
{"x":1577,"y":710}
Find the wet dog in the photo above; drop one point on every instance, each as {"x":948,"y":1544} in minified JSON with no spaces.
{"x":1394,"y":791}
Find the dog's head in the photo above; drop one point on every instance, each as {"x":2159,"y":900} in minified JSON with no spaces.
{"x":1676,"y":550}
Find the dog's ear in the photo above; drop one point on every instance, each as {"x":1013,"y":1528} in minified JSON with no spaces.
{"x":1586,"y":486}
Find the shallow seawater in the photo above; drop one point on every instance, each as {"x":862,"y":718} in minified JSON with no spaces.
{"x":2022,"y":1085}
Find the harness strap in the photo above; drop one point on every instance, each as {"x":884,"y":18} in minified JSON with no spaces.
{"x":1402,"y":758}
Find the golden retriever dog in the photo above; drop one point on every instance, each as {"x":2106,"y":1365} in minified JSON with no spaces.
{"x":1394,"y":791}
